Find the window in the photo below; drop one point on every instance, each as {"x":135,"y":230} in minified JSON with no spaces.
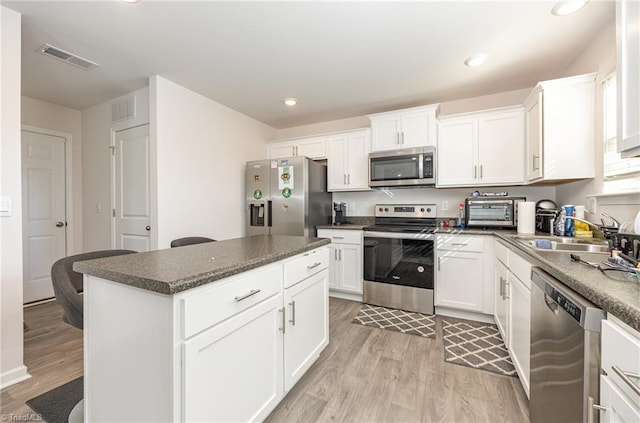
{"x":620,"y":174}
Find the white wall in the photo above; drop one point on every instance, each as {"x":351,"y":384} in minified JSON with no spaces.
{"x":12,"y":369}
{"x":45,"y":115}
{"x":201,"y":151}
{"x":96,"y":167}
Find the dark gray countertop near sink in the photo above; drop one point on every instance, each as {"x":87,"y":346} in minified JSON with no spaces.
{"x":178,"y":269}
{"x":612,"y":292}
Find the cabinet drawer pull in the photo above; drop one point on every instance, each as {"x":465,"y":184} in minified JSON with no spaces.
{"x":626,"y":378}
{"x":247,"y":295}
{"x":314,"y":265}
{"x":460,"y":244}
{"x":293,"y":313}
{"x":337,"y":237}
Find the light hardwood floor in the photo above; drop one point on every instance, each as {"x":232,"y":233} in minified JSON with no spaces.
{"x":364,"y":375}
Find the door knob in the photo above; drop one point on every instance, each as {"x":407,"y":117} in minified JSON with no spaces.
{"x":148,"y":228}
{"x":59,"y":224}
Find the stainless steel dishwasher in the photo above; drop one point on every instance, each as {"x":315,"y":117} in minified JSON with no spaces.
{"x":565,"y":352}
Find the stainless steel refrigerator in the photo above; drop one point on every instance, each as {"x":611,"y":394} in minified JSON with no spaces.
{"x":286,"y":196}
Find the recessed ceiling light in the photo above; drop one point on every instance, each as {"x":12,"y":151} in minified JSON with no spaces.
{"x":290,"y":101}
{"x":475,"y":60}
{"x":130,"y":1}
{"x":565,"y":8}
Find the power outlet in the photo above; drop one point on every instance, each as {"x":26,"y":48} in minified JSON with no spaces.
{"x":444,"y":206}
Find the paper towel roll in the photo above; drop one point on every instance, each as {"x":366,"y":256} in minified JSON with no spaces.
{"x":526,"y":217}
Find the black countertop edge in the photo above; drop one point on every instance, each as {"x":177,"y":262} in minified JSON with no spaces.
{"x":145,"y":270}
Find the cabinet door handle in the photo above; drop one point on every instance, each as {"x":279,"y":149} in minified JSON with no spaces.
{"x":402,"y":137}
{"x":344,"y":179}
{"x":439,"y":259}
{"x":348,"y":179}
{"x":335,"y":254}
{"x":535,"y":157}
{"x":293,"y":313}
{"x":592,"y":407}
{"x":475,"y":171}
{"x":501,"y":287}
{"x":626,"y":378}
{"x":480,"y":171}
{"x":247,"y":295}
{"x":397,"y":137}
{"x":314,"y":265}
{"x":506,"y":289}
{"x":283,"y":329}
{"x":340,"y":255}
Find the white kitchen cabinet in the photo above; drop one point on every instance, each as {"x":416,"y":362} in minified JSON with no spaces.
{"x":620,"y":351}
{"x":462,"y":278}
{"x":306,"y":329}
{"x":406,"y":128}
{"x":513,"y":307}
{"x":348,"y":161}
{"x":224,"y":351}
{"x":559,"y":127}
{"x":345,"y":265}
{"x":312,"y":147}
{"x":246,"y":387}
{"x":502,"y":300}
{"x":628,"y":76}
{"x":472,"y":148}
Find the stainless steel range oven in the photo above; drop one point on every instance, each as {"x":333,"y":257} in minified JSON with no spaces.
{"x":399,"y":256}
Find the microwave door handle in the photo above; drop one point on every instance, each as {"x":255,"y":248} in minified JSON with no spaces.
{"x":420,"y":166}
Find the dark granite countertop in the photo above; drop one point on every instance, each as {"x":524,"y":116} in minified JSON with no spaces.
{"x":178,"y":269}
{"x":612,"y":292}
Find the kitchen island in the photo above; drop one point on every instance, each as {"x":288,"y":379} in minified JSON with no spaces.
{"x":209,"y":332}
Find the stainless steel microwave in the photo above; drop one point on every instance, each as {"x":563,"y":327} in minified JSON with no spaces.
{"x":405,"y":167}
{"x":497,"y":212}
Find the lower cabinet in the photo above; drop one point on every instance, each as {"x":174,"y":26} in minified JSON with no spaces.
{"x":345,"y":260}
{"x":463,"y":279}
{"x":620,"y":367}
{"x":512,"y":312}
{"x":306,"y":330}
{"x":247,"y":387}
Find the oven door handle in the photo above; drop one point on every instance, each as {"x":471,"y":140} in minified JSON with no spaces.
{"x":400,"y":235}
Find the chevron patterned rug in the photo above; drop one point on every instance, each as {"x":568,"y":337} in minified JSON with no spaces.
{"x":397,"y":320}
{"x":475,"y":344}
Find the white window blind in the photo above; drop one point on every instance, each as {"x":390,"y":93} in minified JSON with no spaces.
{"x":619,"y":174}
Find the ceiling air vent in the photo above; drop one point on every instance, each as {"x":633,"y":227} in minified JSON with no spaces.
{"x":123,"y":109}
{"x":65,"y":56}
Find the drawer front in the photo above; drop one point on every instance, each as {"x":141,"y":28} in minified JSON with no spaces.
{"x":521,"y":268}
{"x":502,"y":253}
{"x":341,"y":236}
{"x":305,"y":265}
{"x":620,"y":349}
{"x":206,"y":308}
{"x":460,"y":243}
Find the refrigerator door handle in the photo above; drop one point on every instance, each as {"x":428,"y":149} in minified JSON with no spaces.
{"x":269,"y":209}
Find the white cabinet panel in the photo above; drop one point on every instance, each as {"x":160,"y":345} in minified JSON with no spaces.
{"x":520,"y":328}
{"x":347,"y":161}
{"x":311,"y":147}
{"x":345,"y":255}
{"x":628,"y":76}
{"x":472,"y":148}
{"x":307,"y":329}
{"x":502,"y":300}
{"x":245,"y":388}
{"x":407,"y":128}
{"x":459,"y":280}
{"x":618,"y":407}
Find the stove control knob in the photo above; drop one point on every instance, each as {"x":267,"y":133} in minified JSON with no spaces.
{"x":422,"y":209}
{"x":386,"y":209}
{"x":380,"y":209}
{"x":429,"y":210}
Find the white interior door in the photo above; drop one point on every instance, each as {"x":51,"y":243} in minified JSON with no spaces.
{"x":131,"y":189}
{"x":43,"y":211}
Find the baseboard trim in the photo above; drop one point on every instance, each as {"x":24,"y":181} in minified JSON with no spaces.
{"x":14,"y":376}
{"x":463,"y":314}
{"x":346,"y":295}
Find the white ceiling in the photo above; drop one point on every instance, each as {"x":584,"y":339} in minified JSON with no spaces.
{"x":340,"y":59}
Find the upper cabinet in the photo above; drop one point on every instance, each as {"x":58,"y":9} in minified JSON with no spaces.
{"x":415,"y":127}
{"x":560,"y":117}
{"x":313,"y":147}
{"x":628,"y":76}
{"x":347,"y":161}
{"x":483,"y":148}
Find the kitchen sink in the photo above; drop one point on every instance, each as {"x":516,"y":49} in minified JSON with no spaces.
{"x":558,"y":243}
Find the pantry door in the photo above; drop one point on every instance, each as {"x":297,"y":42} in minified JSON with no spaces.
{"x":44,"y":217}
{"x":131,"y":198}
